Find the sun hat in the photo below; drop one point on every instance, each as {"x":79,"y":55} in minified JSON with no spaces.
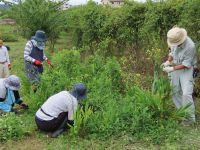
{"x":40,"y":36}
{"x":176,"y":36}
{"x":12,"y":82}
{"x":79,"y":91}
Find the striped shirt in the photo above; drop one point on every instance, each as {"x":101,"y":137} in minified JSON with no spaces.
{"x":27,"y":52}
{"x":4,"y":57}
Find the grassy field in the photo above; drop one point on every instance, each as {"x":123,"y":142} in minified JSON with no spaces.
{"x":36,"y":140}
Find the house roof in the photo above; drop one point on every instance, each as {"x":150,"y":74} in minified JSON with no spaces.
{"x":116,"y":0}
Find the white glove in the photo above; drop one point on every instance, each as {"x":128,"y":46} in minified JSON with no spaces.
{"x":165,"y":64}
{"x":168,"y":69}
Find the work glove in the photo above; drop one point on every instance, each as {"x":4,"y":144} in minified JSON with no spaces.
{"x":165,"y":64}
{"x":70,"y":123}
{"x":9,"y":66}
{"x":24,"y":106}
{"x":37,"y":62}
{"x":195,"y":72}
{"x":168,"y":69}
{"x":49,"y":61}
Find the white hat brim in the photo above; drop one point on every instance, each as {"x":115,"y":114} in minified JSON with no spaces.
{"x":181,"y":41}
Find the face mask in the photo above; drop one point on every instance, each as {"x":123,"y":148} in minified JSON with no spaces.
{"x":40,"y":45}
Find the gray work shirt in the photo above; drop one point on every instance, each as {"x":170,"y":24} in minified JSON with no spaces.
{"x":185,"y":54}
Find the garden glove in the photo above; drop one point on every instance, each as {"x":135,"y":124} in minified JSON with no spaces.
{"x":49,"y":61}
{"x":37,"y":62}
{"x":24,"y":106}
{"x":168,"y":69}
{"x":195,"y":72}
{"x":70,"y":123}
{"x":9,"y":66}
{"x":165,"y":64}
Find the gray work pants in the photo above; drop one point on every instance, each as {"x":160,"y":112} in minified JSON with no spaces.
{"x":182,"y":84}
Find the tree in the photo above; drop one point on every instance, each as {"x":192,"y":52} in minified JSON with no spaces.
{"x":33,"y":15}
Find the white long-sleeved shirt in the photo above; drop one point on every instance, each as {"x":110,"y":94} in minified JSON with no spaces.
{"x":27,"y":52}
{"x":2,"y":89}
{"x":4,"y":57}
{"x":56,"y":104}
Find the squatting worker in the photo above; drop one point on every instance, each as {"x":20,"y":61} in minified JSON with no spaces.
{"x":34,"y":56}
{"x":9,"y":94}
{"x":56,"y":113}
{"x":4,"y":61}
{"x":180,"y":65}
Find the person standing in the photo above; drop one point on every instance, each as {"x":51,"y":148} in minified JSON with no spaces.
{"x":180,"y":66}
{"x":4,"y":61}
{"x":34,"y":56}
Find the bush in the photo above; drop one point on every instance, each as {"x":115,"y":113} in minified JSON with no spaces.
{"x":11,"y":127}
{"x":9,"y":38}
{"x":111,"y":109}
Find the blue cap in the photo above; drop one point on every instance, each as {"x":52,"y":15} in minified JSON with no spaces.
{"x":40,"y":36}
{"x":79,"y":91}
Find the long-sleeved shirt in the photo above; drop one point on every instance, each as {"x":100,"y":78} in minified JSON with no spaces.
{"x":185,"y":54}
{"x":2,"y":89}
{"x":27,"y":52}
{"x":56,"y":104}
{"x":4,"y":57}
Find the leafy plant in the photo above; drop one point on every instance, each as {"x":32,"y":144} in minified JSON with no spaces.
{"x":11,"y":127}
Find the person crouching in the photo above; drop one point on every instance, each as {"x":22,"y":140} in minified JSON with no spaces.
{"x":9,"y":94}
{"x":56,"y":114}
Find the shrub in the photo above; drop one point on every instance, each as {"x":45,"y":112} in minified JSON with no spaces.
{"x":9,"y":38}
{"x":11,"y":127}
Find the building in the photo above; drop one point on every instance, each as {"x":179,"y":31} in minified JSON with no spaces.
{"x":114,"y":3}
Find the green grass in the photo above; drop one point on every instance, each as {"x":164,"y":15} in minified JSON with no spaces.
{"x":36,"y":140}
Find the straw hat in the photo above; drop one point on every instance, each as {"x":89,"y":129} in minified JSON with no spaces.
{"x":12,"y":82}
{"x":176,"y":36}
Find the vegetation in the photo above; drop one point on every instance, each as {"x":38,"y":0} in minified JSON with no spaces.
{"x":116,"y":52}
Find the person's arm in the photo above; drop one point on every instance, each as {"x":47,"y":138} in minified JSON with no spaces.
{"x":3,"y":92}
{"x":179,"y":67}
{"x":186,"y":63}
{"x":19,"y":101}
{"x":2,"y":99}
{"x":71,"y":110}
{"x":44,"y":56}
{"x":7,"y":56}
{"x":27,"y":52}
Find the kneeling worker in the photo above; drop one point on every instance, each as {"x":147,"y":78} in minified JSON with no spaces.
{"x":9,"y":94}
{"x":56,"y":114}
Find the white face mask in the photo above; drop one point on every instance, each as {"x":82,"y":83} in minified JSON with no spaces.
{"x":40,"y":45}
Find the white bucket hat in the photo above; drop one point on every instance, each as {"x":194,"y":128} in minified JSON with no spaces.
{"x":176,"y":36}
{"x":12,"y":82}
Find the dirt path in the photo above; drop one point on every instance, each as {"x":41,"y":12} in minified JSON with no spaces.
{"x":29,"y":143}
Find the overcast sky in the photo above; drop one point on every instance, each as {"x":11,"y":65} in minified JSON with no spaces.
{"x":78,"y":2}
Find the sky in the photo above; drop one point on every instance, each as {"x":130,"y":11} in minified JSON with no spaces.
{"x":78,"y":2}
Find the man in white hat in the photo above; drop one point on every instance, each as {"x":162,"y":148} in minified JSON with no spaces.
{"x":9,"y":94}
{"x":180,"y":65}
{"x":4,"y":61}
